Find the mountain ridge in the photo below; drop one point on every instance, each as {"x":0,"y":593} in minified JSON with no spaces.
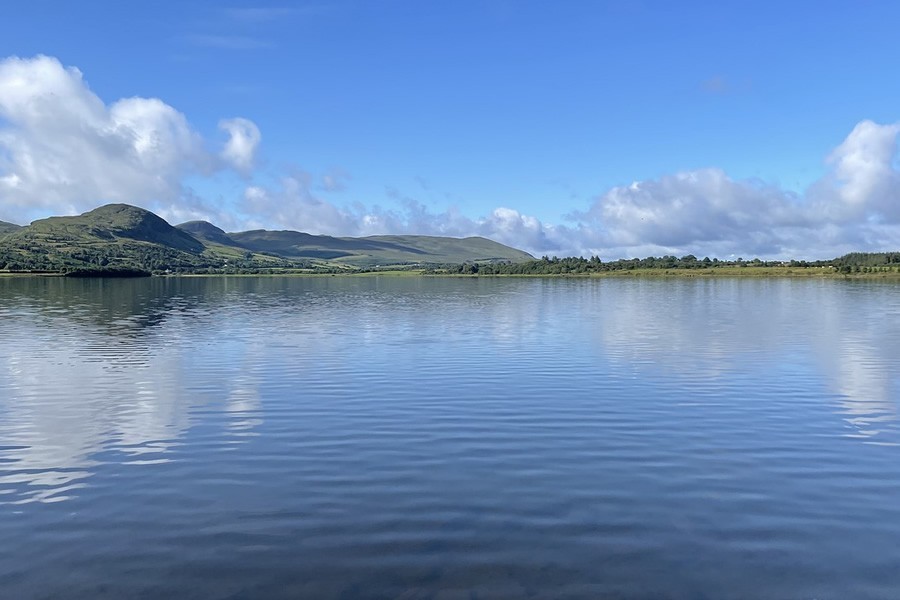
{"x":123,"y":236}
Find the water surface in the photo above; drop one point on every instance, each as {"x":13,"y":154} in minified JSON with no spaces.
{"x":339,"y":437}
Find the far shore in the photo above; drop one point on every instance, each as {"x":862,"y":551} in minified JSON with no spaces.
{"x":717,"y":272}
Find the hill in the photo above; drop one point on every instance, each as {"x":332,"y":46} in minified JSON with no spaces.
{"x":378,"y":250}
{"x":6,"y":228}
{"x":113,"y":237}
{"x":117,"y":221}
{"x":435,"y":249}
{"x":207,"y":232}
{"x":119,"y":237}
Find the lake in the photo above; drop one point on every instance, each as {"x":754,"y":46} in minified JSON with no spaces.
{"x":406,"y":437}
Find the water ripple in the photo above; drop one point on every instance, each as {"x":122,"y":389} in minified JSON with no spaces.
{"x":418,"y":438}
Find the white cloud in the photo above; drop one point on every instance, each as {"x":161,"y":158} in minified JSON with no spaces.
{"x":63,"y":150}
{"x":863,"y":175}
{"x":243,"y":142}
{"x":695,"y":209}
{"x":292,"y":205}
{"x":856,"y":206}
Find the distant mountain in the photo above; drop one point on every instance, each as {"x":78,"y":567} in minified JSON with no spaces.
{"x":435,"y":249}
{"x":207,"y":232}
{"x":122,"y":237}
{"x":374,"y":250}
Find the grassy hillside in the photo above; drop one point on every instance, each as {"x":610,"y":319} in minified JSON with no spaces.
{"x":378,"y":250}
{"x":291,"y":244}
{"x":118,"y":237}
{"x":114,"y":237}
{"x":207,"y":232}
{"x":6,"y":228}
{"x":388,"y":249}
{"x":123,"y":237}
{"x":116,"y":221}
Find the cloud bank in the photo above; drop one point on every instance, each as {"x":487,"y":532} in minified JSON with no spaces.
{"x":63,"y":150}
{"x":855,"y":206}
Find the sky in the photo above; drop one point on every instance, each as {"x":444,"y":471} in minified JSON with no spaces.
{"x":615,"y":128}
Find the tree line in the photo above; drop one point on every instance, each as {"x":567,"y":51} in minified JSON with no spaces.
{"x":855,"y":262}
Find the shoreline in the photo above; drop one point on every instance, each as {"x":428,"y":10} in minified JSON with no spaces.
{"x":703,"y":273}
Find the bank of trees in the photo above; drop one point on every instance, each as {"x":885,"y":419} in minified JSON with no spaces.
{"x":857,"y":262}
{"x":35,"y":257}
{"x":580,"y":265}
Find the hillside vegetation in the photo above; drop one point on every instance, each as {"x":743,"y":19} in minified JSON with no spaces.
{"x":7,"y":228}
{"x":122,"y":239}
{"x":857,"y":263}
{"x":118,"y":239}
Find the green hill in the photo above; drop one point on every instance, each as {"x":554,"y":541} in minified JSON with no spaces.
{"x":117,"y":222}
{"x":295,"y":244}
{"x":378,"y":250}
{"x":115,"y":237}
{"x":6,"y":228}
{"x":386,"y":249}
{"x":207,"y":232}
{"x":119,"y":237}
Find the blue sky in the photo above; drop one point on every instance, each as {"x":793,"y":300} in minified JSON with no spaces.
{"x":618,"y":128}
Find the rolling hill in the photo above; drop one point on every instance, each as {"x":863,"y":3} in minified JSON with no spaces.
{"x":115,"y":236}
{"x":378,"y":250}
{"x":207,"y":232}
{"x":362,"y":252}
{"x":120,"y":236}
{"x":7,"y":228}
{"x":426,"y":248}
{"x":115,"y":222}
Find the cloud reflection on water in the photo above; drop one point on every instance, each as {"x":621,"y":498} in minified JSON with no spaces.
{"x":89,"y":369}
{"x":715,"y":328}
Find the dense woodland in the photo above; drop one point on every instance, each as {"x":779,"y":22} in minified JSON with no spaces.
{"x":151,"y":258}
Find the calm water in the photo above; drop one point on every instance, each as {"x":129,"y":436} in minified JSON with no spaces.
{"x":449,"y":438}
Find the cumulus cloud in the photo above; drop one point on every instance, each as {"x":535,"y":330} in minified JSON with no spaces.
{"x":63,"y":150}
{"x":293,"y":204}
{"x":243,"y":142}
{"x":695,"y":209}
{"x":855,"y":206}
{"x":864,"y":179}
